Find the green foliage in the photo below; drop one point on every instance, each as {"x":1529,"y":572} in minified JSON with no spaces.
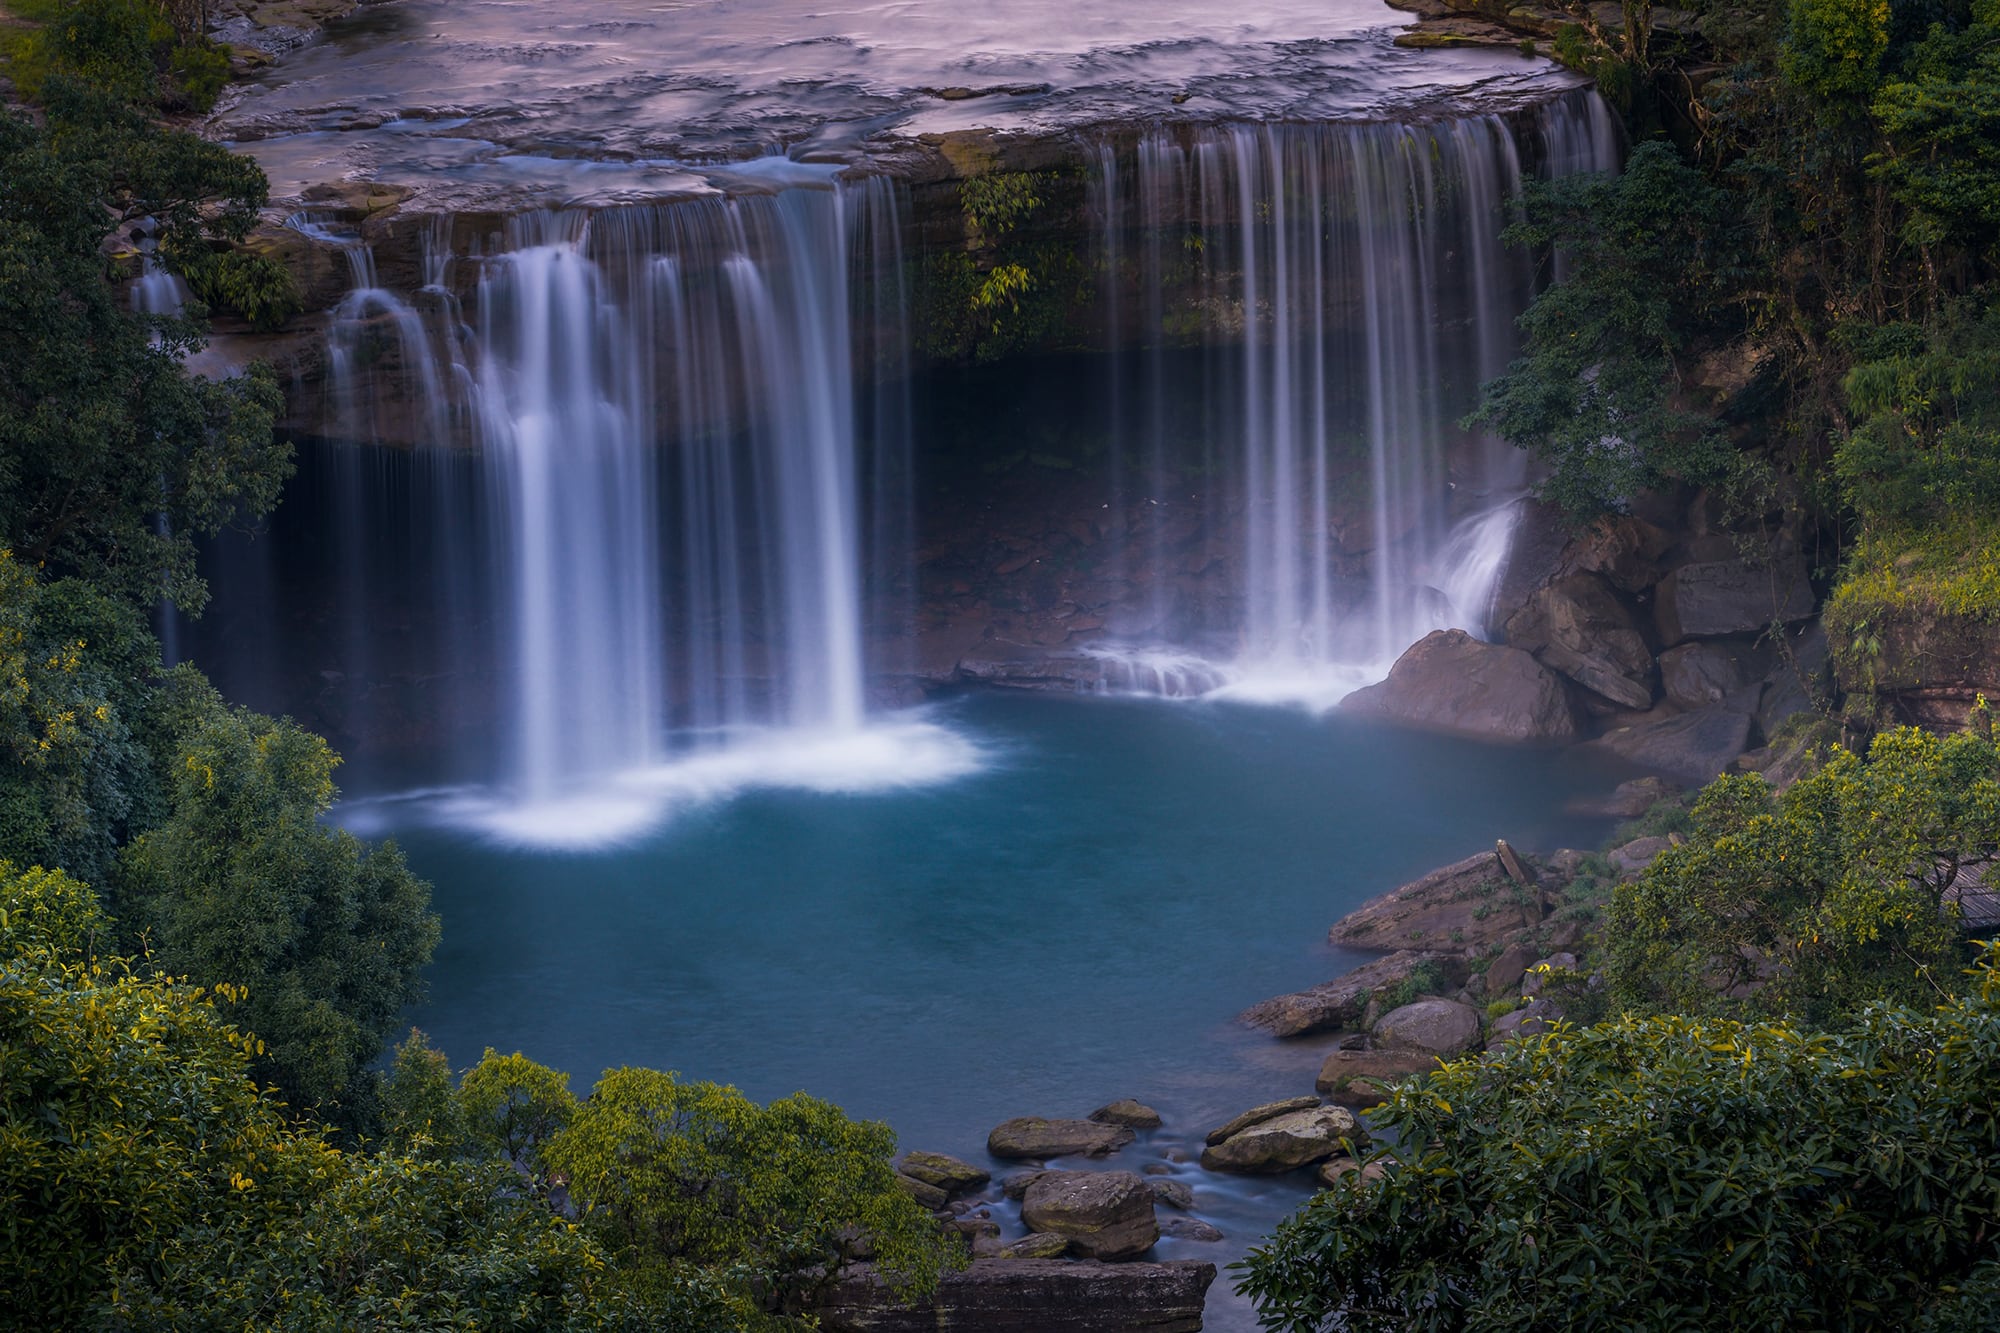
{"x":74,"y":777}
{"x":420,"y":1112}
{"x":513,"y":1106}
{"x":1833,"y":48}
{"x":1940,"y":117}
{"x":255,"y":286}
{"x":1816,"y":902}
{"x":45,"y":912}
{"x":1651,"y":254}
{"x":1425,"y":978}
{"x":242,"y":882}
{"x":130,"y":49}
{"x":101,"y":430}
{"x":997,"y":203}
{"x":696,"y":1172}
{"x":1671,"y":1173}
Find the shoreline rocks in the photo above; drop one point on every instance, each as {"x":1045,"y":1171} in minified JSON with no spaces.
{"x":1285,"y":1142}
{"x":1028,"y":1295}
{"x":1032,"y":1138}
{"x":1105,"y":1215}
{"x":1449,"y":681}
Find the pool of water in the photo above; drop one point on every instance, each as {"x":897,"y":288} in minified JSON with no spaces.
{"x":1077,"y":919}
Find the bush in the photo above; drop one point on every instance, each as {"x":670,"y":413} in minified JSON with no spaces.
{"x":257,"y":287}
{"x":1672,"y":1173}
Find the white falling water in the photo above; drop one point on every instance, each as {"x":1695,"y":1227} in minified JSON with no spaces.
{"x":1364,"y":267}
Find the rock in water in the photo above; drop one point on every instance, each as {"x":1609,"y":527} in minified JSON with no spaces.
{"x":1036,"y":1245}
{"x":1028,"y":1296}
{"x":1451,"y":682}
{"x":1190,"y":1228}
{"x":1035,"y":1139}
{"x":1256,"y":1114}
{"x":1286,"y":1142}
{"x":927,"y":1195}
{"x":1172,"y":1193}
{"x":942,"y":1172}
{"x":1438,"y":1026}
{"x":1126,"y":1112}
{"x":1105,"y":1214}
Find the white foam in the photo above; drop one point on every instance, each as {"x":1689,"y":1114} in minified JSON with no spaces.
{"x":887,"y":755}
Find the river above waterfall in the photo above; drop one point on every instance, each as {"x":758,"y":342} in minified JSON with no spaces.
{"x":477,"y":99}
{"x":1077,"y":920}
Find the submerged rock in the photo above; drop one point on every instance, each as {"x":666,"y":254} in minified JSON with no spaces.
{"x":1285,"y":1142}
{"x":1126,"y":1112}
{"x":1028,"y":1296}
{"x":1190,"y":1228}
{"x":1628,"y":800}
{"x":1036,"y":1139}
{"x":1172,"y":1193}
{"x":1104,"y":1214}
{"x":1451,"y":682}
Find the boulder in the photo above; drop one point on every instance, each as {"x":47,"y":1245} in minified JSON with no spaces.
{"x":1333,"y":1169}
{"x":1625,"y":549}
{"x":1345,"y":1070}
{"x":1465,"y":904}
{"x":1341,"y":1002}
{"x":1104,"y":1214}
{"x":1439,"y":1026}
{"x":1172,"y":1193}
{"x":1528,"y":1021}
{"x":1016,"y":1185}
{"x":1035,"y":1139}
{"x":945,"y":1173}
{"x":1739,"y":596}
{"x":927,"y":1195}
{"x":1698,"y":674}
{"x":1636,"y":855}
{"x":1258,"y":1114}
{"x":1126,"y":1112}
{"x":1285,"y":1142}
{"x":1036,"y":1245}
{"x":1692,"y":747}
{"x":1578,"y":626}
{"x":1027,"y":1296}
{"x":1190,"y":1228}
{"x":1449,"y":681}
{"x":1503,"y":974}
{"x":1628,"y":800}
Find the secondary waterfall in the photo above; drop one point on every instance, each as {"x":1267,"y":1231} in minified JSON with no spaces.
{"x":1359,"y":274}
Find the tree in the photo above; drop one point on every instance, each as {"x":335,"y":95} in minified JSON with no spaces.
{"x":698,"y":1173}
{"x":1816,"y":902}
{"x":513,"y":1106}
{"x":1674,"y":1174}
{"x":1649,"y":255}
{"x":113,"y":459}
{"x":241,"y":882}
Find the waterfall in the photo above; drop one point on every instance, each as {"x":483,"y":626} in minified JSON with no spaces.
{"x":1355,"y":294}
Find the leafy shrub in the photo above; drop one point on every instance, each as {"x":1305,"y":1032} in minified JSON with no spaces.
{"x":257,"y":287}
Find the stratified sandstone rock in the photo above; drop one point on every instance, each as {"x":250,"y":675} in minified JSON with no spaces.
{"x":1035,"y":1139}
{"x":1340,"y":1003}
{"x":1433,"y":1025}
{"x":1258,"y":1114}
{"x":1451,"y":682}
{"x":1465,"y":904}
{"x":1355,"y":1078}
{"x":1578,"y":626}
{"x":1693,"y":747}
{"x":1028,"y":1296}
{"x":1286,"y":1142}
{"x":1104,"y":1214}
{"x":1738,"y":596}
{"x":1036,"y":1245}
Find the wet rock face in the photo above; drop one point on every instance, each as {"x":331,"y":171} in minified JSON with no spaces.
{"x":1578,"y":626}
{"x":1451,"y":682}
{"x":1718,"y":597}
{"x":1027,"y":1295}
{"x":1104,"y":1214}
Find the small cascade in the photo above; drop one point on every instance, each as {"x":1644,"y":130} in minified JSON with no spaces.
{"x":1357,"y":294}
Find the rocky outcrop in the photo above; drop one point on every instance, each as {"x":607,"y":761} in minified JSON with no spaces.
{"x":941,"y":1172}
{"x":1928,"y":666}
{"x":1103,"y":1214}
{"x":1695,"y":675}
{"x":1356,"y":1078}
{"x":1257,"y":1115}
{"x":1465,"y":904}
{"x":1285,"y":1142}
{"x":1738,"y":596}
{"x":1032,"y":1138}
{"x":1126,"y":1112}
{"x":1433,"y":1025}
{"x":1693,"y":747}
{"x":1341,"y":1002}
{"x":1028,"y":1296}
{"x":1450,"y":682}
{"x":1578,"y":626}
